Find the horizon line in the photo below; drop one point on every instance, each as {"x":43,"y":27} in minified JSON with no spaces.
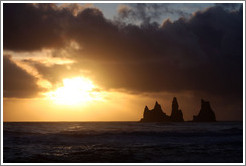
{"x":120,"y":121}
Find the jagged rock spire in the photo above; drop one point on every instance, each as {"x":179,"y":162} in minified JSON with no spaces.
{"x":175,"y":105}
{"x":146,"y":108}
{"x":176,"y":115}
{"x":157,"y":106}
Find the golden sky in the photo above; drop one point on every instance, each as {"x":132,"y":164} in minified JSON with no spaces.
{"x":83,"y":62}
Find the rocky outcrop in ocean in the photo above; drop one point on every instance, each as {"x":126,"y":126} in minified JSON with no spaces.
{"x":206,"y":113}
{"x":157,"y":115}
{"x":154,"y":115}
{"x":176,"y":115}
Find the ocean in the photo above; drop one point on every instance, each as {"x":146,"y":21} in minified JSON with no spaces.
{"x":122,"y":142}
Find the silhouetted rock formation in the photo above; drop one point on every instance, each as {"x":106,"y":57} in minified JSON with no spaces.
{"x":176,"y":115}
{"x":154,"y":115}
{"x":157,"y":115}
{"x":206,"y":114}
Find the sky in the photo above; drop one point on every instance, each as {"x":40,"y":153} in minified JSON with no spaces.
{"x":105,"y":62}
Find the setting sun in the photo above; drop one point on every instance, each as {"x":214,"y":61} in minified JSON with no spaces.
{"x":74,"y":91}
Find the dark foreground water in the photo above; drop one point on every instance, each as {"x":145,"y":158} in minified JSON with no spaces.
{"x":123,"y":142}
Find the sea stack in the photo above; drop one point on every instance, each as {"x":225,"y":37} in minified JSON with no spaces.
{"x":154,"y":115}
{"x":157,"y":115}
{"x":206,"y":114}
{"x":176,"y":115}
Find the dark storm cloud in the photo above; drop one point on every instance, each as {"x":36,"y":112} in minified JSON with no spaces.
{"x":17,"y":82}
{"x":203,"y":53}
{"x":30,"y":27}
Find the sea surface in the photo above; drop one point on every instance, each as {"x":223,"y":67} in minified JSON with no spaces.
{"x":122,"y":142}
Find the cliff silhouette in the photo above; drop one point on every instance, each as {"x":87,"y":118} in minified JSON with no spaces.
{"x":206,"y":114}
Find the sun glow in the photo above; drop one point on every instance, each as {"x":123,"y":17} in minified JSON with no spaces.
{"x":75,"y":91}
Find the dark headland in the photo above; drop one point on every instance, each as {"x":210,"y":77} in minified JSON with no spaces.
{"x":206,"y":113}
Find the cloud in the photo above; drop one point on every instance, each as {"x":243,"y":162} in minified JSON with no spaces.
{"x":145,"y":13}
{"x":17,"y":82}
{"x":229,"y":6}
{"x":202,"y":53}
{"x":29,"y":27}
{"x":55,"y":73}
{"x":74,"y":8}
